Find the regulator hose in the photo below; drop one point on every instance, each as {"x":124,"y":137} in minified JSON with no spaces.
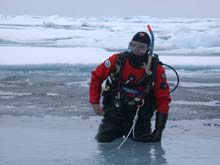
{"x":177,"y":77}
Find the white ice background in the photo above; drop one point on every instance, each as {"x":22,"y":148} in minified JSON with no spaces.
{"x":93,"y":39}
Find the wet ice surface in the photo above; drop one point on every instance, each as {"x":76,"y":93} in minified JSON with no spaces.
{"x":70,"y":140}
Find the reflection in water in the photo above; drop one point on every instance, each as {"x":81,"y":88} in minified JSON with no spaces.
{"x":131,"y":153}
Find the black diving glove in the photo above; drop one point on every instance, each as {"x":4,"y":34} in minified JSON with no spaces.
{"x":143,"y":138}
{"x":156,"y":136}
{"x":161,"y":119}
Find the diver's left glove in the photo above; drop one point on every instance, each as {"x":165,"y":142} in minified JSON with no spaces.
{"x":146,"y":138}
{"x":161,"y":119}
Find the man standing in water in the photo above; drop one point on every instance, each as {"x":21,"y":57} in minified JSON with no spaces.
{"x":135,"y":81}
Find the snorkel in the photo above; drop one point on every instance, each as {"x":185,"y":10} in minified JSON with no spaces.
{"x":151,"y":48}
{"x":150,"y":55}
{"x":147,"y":66}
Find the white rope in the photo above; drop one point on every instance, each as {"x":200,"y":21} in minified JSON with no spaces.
{"x":133,"y":126}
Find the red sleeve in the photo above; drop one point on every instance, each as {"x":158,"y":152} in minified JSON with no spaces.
{"x":98,"y":76}
{"x":161,"y":90}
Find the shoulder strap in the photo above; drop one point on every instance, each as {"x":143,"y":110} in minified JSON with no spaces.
{"x":151,"y":79}
{"x":119,"y":65}
{"x":155,"y":62}
{"x":120,"y":62}
{"x":150,"y":73}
